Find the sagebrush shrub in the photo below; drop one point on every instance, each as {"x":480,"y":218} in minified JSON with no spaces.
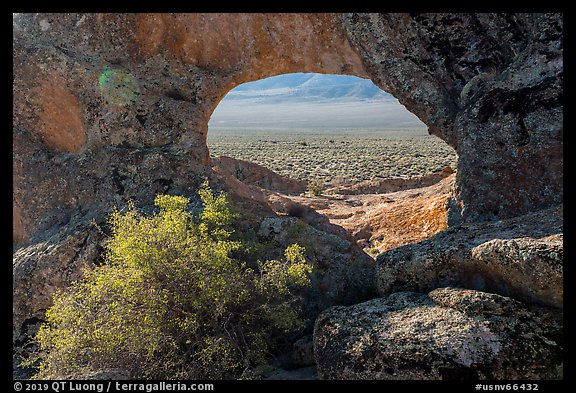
{"x":170,"y":303}
{"x":315,"y":188}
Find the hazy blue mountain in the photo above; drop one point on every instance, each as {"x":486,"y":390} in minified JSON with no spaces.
{"x":279,"y":81}
{"x":315,"y":101}
{"x":304,"y":87}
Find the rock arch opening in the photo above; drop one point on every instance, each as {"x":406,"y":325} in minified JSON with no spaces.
{"x":341,"y":146}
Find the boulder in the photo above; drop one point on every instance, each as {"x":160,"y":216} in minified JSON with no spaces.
{"x":253,"y":174}
{"x":303,"y":352}
{"x":520,"y":257}
{"x":450,"y":333}
{"x":342,"y":273}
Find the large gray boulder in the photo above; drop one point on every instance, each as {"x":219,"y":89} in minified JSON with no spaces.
{"x":41,"y":269}
{"x":448,"y":334}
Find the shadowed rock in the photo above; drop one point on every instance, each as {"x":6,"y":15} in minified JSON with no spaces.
{"x":254,"y":174}
{"x":490,"y":86}
{"x":41,"y":269}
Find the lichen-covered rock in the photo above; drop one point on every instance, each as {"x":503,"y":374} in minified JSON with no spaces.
{"x":533,"y":265}
{"x":521,"y":258}
{"x":473,"y":302}
{"x":449,"y":334}
{"x":102,"y":375}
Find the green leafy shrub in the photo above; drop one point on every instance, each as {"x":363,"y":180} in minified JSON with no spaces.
{"x":170,"y":303}
{"x":315,"y":188}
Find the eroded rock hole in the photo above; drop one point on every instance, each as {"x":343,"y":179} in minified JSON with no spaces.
{"x":341,"y":146}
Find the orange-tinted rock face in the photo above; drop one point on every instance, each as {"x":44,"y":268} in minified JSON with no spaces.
{"x":257,"y":45}
{"x":144,"y":81}
{"x":60,"y":122}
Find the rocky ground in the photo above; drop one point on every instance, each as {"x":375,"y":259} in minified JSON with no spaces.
{"x":389,"y":213}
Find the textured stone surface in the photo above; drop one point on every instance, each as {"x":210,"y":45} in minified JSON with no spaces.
{"x":41,"y":269}
{"x":392,"y":184}
{"x":103,"y":375}
{"x":490,"y":86}
{"x":520,"y":257}
{"x":449,"y":334}
{"x":342,"y":273}
{"x":99,"y":89}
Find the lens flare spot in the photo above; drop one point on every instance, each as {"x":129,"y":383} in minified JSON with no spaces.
{"x":119,"y":87}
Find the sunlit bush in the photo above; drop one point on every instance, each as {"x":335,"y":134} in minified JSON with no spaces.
{"x":170,"y":303}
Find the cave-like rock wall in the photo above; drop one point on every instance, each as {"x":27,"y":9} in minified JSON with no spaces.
{"x":490,"y":85}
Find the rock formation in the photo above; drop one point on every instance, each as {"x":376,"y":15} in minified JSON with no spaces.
{"x":487,"y":84}
{"x":112,"y":107}
{"x":115,"y":106}
{"x":521,"y":257}
{"x":254,"y":174}
{"x":385,"y":214}
{"x":450,"y":333}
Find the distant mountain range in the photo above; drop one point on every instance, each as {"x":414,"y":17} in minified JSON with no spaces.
{"x":309,"y":87}
{"x":315,"y":101}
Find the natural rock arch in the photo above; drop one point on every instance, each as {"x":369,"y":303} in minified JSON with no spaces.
{"x":109,"y":107}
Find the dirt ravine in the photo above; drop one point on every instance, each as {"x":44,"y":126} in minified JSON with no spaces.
{"x":379,"y":215}
{"x":382,"y":221}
